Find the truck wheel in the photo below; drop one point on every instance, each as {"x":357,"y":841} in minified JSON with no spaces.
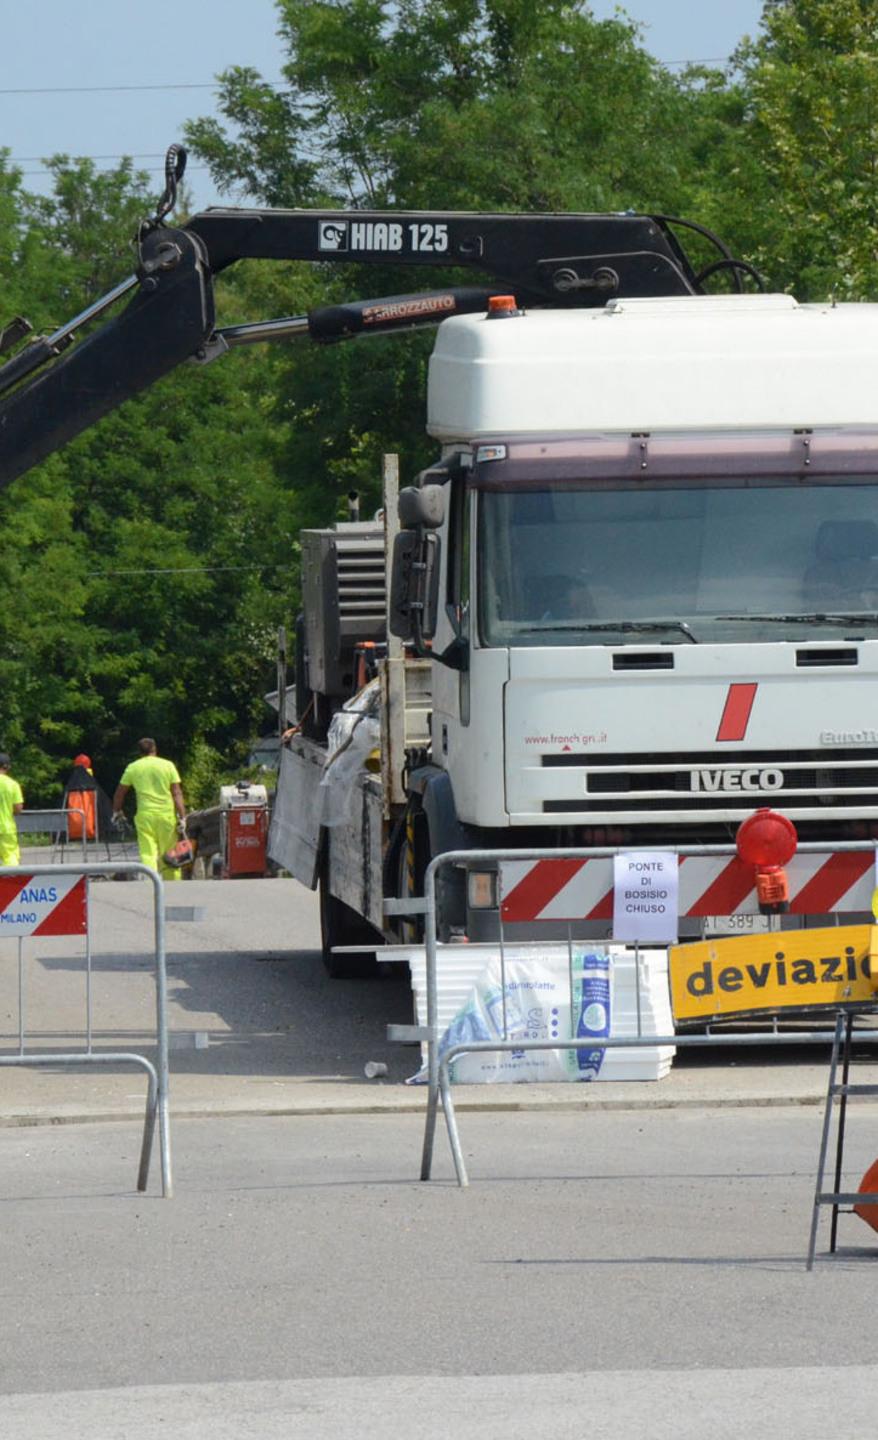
{"x":340,"y":925}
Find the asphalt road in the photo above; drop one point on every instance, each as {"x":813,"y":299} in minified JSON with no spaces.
{"x":274,"y":1034}
{"x":245,"y":976}
{"x":637,"y":1269}
{"x":630,"y":1274}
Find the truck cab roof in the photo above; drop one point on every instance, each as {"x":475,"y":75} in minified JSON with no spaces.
{"x":682,"y":363}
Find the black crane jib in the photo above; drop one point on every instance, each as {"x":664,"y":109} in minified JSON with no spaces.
{"x":56,"y":386}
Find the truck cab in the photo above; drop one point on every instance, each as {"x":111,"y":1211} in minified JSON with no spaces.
{"x":660,"y":529}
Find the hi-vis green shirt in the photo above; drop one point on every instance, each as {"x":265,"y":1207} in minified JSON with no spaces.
{"x":152,"y":779}
{"x":10,"y":795}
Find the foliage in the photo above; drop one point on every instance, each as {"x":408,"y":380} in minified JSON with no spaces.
{"x":142,"y":571}
{"x":467,"y":104}
{"x":448,"y":104}
{"x":205,"y":772}
{"x":790,"y":174}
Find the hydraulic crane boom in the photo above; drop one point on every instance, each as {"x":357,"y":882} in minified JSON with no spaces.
{"x":56,"y":387}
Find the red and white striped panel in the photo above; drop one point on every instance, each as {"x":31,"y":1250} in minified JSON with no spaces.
{"x":43,"y":905}
{"x":820,"y":884}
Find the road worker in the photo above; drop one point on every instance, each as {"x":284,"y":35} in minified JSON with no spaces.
{"x":161,"y":810}
{"x":11,"y":803}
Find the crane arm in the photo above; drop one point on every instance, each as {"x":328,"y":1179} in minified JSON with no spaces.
{"x":57,"y":386}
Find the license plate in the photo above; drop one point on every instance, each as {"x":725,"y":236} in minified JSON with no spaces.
{"x":736,"y":924}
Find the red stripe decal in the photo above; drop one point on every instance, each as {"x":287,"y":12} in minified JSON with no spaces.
{"x":727,"y":891}
{"x":69,"y":917}
{"x":11,"y":887}
{"x":604,"y":908}
{"x":539,"y":886}
{"x":736,"y":716}
{"x":832,"y":881}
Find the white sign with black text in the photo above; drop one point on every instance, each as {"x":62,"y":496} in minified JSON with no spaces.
{"x":645,"y":894}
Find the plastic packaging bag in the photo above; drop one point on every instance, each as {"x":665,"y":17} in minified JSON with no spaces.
{"x":354,"y":732}
{"x":537,"y":1007}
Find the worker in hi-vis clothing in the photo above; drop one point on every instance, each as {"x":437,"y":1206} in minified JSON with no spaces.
{"x":160,"y":806}
{"x":11,"y":802}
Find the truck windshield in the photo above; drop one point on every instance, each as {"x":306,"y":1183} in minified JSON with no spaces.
{"x":746,"y":560}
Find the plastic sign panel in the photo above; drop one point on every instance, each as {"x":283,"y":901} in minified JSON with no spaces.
{"x":43,"y":905}
{"x":785,"y":970}
{"x":645,"y":893}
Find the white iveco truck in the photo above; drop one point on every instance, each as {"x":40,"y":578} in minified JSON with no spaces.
{"x":646,"y":567}
{"x":635,"y":598}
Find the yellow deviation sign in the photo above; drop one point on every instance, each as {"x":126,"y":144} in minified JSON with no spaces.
{"x":786,"y":970}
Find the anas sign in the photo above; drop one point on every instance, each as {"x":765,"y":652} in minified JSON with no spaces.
{"x":43,"y":905}
{"x":784,"y":970}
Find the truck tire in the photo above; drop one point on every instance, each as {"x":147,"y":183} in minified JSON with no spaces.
{"x":340,"y":925}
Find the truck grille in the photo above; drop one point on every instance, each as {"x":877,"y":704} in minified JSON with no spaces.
{"x":789,"y":779}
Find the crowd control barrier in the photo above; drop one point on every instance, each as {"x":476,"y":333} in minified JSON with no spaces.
{"x":60,"y":907}
{"x":34,"y":822}
{"x":849,"y":895}
{"x":840,"y":1090}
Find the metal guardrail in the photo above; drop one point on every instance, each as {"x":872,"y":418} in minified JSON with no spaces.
{"x":438,"y":1064}
{"x":157,"y":1107}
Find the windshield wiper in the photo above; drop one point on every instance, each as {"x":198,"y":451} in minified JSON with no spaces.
{"x":832,"y":617}
{"x":627,"y":627}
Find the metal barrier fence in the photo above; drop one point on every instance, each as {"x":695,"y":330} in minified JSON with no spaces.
{"x":439,"y":1062}
{"x":157,"y":1075}
{"x":31,"y":822}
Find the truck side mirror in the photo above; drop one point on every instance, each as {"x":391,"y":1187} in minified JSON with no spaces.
{"x":422,"y":506}
{"x":414,"y":585}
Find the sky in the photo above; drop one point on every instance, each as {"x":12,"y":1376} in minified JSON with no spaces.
{"x":70,"y":69}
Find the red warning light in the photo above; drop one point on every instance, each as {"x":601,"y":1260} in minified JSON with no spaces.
{"x":767,"y":840}
{"x":869,"y":1185}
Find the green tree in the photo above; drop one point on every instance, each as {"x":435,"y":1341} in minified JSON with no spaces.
{"x":432,"y":104}
{"x":144,"y":569}
{"x":47,"y":645}
{"x":468,"y":104}
{"x":796,"y":169}
{"x":175,"y":499}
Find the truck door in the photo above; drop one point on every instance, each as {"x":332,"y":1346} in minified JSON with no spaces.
{"x":451,"y":688}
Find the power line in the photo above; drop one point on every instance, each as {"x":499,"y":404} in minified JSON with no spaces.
{"x":702,"y":60}
{"x":185,"y":570}
{"x":121,"y":155}
{"x":149,"y":169}
{"x":124,"y":89}
{"x":215,"y":85}
{"x":194,"y":85}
